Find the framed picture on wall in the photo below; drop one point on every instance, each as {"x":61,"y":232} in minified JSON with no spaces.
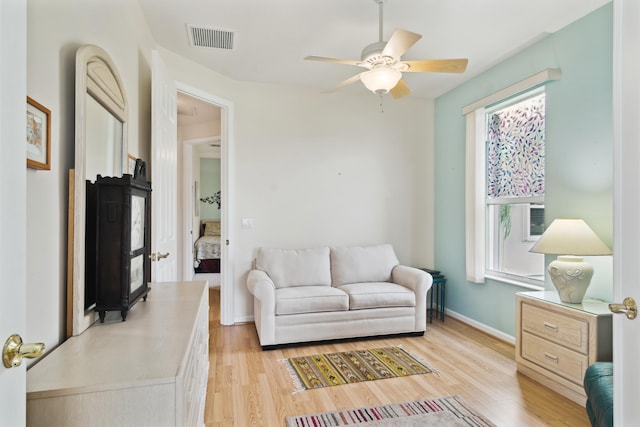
{"x":38,"y":135}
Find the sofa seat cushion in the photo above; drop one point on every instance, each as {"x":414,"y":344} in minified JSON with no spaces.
{"x":310,"y":299}
{"x":358,"y":264}
{"x":295,"y":267}
{"x":378,"y":295}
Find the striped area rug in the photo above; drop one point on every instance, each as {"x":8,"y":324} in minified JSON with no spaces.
{"x":330,"y":369}
{"x":450,"y":411}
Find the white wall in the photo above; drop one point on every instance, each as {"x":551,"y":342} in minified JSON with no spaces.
{"x":55,"y":30}
{"x":209,"y":186}
{"x":317,"y":169}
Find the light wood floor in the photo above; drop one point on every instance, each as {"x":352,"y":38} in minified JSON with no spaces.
{"x":249,"y":387}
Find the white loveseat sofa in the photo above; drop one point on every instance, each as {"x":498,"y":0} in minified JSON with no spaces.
{"x":327,"y":293}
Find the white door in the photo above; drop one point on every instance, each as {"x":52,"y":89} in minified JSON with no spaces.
{"x":164,"y":178}
{"x":190,"y":218}
{"x":13,"y":228}
{"x":626,"y":267}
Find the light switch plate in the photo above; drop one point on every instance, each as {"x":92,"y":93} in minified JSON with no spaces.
{"x":246,"y":223}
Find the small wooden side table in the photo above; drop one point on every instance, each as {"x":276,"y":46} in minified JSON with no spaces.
{"x":438,"y":288}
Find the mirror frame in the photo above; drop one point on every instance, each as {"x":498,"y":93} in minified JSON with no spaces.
{"x":97,"y":76}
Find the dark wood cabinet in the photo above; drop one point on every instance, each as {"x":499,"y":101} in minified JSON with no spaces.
{"x":118,"y":238}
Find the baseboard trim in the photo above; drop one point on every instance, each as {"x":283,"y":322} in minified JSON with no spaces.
{"x":481,"y":326}
{"x":243,"y":319}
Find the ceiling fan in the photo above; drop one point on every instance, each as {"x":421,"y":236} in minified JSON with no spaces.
{"x":384,"y":66}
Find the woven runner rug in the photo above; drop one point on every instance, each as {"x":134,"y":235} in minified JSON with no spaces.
{"x":325,"y":370}
{"x":451,"y":411}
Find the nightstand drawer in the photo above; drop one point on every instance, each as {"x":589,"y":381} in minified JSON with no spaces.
{"x":564,"y":330}
{"x":555,"y":358}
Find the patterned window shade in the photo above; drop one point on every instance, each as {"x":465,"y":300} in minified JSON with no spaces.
{"x":515,"y":150}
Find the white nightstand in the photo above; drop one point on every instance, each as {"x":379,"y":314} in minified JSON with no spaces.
{"x":557,"y":341}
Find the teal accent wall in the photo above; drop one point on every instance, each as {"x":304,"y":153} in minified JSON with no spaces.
{"x":579,"y":158}
{"x":209,"y":184}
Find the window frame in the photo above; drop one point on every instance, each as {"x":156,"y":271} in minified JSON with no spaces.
{"x":475,"y":180}
{"x":492,"y":231}
{"x":503,"y":276}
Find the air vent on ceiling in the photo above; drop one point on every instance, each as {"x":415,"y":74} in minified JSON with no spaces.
{"x":210,"y":37}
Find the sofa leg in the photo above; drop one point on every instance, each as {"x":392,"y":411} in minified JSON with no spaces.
{"x":417,"y":334}
{"x":269,"y":347}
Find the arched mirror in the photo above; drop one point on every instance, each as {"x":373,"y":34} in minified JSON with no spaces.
{"x":100,"y":149}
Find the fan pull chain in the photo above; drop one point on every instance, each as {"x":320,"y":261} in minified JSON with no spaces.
{"x":381,"y":106}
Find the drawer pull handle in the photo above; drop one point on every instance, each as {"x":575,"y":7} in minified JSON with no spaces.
{"x":551,"y":357}
{"x":551,"y":326}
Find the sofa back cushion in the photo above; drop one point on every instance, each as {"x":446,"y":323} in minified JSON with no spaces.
{"x":358,"y":264}
{"x":295,"y":267}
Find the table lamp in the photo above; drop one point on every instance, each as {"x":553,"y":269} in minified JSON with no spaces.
{"x":570,"y":239}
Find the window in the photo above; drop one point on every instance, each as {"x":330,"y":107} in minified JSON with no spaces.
{"x":514,"y":150}
{"x":519,"y":198}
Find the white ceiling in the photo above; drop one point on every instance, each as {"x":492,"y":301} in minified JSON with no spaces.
{"x":193,"y":110}
{"x":271,"y":37}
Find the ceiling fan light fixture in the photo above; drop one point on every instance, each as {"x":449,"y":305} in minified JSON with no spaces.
{"x":385,"y":64}
{"x":381,"y":80}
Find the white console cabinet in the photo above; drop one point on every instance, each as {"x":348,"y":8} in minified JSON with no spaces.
{"x":557,"y":341}
{"x":150,"y":370}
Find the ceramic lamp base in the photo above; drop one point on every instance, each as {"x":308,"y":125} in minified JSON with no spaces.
{"x":571,"y":277}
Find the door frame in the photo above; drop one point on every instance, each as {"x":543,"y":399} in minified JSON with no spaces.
{"x":227,"y":187}
{"x":188,"y":192}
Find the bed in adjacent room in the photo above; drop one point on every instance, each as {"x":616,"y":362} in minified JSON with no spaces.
{"x":207,"y":248}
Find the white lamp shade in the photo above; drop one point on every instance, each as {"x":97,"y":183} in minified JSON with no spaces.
{"x":381,"y":80}
{"x":570,"y":237}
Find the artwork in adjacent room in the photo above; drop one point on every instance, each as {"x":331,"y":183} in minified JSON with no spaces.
{"x":209,"y":195}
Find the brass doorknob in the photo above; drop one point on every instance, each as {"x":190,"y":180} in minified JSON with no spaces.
{"x":156,"y":256}
{"x":628,"y":307}
{"x":15,"y":350}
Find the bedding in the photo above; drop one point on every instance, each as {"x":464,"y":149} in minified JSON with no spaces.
{"x":207,"y":248}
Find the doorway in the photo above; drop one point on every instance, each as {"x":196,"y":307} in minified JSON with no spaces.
{"x":203,"y":138}
{"x":199,"y":134}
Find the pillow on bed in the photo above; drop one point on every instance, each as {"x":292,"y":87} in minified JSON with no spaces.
{"x":212,"y":228}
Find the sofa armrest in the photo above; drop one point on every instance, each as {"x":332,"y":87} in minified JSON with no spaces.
{"x":264,"y":305}
{"x":419,"y":282}
{"x":261,"y":285}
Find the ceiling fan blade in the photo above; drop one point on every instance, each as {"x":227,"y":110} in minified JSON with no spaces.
{"x":399,"y":43}
{"x":436,"y":66}
{"x":400,"y":90}
{"x":342,"y":84}
{"x":335,"y":60}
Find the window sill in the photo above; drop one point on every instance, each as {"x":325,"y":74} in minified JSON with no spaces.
{"x":535,"y":285}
